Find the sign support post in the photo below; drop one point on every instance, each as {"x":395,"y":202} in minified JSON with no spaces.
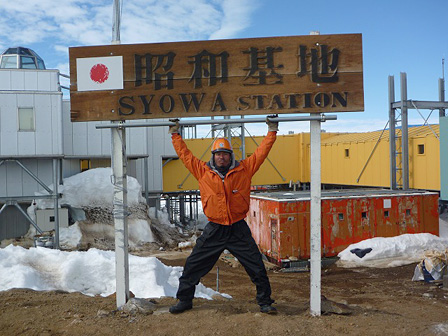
{"x":119,"y":180}
{"x":315,"y":218}
{"x":120,"y":201}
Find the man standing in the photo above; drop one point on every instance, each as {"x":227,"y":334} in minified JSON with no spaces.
{"x":225,"y":191}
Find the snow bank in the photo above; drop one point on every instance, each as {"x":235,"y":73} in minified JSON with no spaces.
{"x":91,"y":273}
{"x":92,"y":188}
{"x":70,"y":237}
{"x":392,"y":251}
{"x":162,"y":216}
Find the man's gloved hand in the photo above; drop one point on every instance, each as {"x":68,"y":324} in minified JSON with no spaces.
{"x":272,"y":125}
{"x":175,"y":128}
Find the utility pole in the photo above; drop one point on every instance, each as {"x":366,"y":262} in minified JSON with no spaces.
{"x":119,"y":178}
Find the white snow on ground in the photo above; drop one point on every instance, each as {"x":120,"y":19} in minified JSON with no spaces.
{"x":70,"y":237}
{"x":91,"y":273}
{"x":392,"y":251}
{"x":397,"y":251}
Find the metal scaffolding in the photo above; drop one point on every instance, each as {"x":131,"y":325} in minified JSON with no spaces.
{"x":52,"y":194}
{"x":398,"y":131}
{"x":118,"y":134}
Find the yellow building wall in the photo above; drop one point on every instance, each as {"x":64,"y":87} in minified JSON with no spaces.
{"x":424,"y":169}
{"x":287,"y":161}
{"x":340,"y":168}
{"x":291,"y":157}
{"x":175,"y":176}
{"x":337,"y":168}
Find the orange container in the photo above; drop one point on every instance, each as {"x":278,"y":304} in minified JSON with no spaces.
{"x":280,"y":221}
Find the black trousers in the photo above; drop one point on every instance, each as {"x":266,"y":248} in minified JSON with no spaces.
{"x":215,"y":238}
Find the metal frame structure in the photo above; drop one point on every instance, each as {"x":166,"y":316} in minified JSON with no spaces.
{"x":189,"y":122}
{"x":52,"y":194}
{"x":118,"y":135}
{"x":399,"y":145}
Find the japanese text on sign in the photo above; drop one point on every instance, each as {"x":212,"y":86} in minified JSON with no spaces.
{"x":302,"y":74}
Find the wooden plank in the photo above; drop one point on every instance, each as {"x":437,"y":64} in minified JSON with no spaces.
{"x":296,"y":74}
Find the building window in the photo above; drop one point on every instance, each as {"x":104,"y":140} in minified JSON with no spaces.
{"x":8,"y":62}
{"x":364,"y":214}
{"x":386,"y":213}
{"x":26,"y":119}
{"x":421,"y":149}
{"x":27,"y":62}
{"x":341,"y":216}
{"x":347,"y":152}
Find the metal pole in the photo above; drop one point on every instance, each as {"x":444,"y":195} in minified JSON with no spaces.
{"x":29,"y":172}
{"x":56,"y":202}
{"x":243,"y":142}
{"x":116,"y":23}
{"x":392,"y":145}
{"x":217,"y":278}
{"x":145,"y":179}
{"x":33,"y":223}
{"x":119,"y":171}
{"x":3,"y":208}
{"x":371,"y":154}
{"x":404,"y":132}
{"x":441,"y":96}
{"x":190,"y":197}
{"x":315,"y":218}
{"x":197,"y":213}
{"x":120,"y":202}
{"x":320,"y":117}
{"x":182,"y":209}
{"x":227,"y":133}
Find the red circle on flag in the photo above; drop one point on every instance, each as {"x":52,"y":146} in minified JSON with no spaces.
{"x":99,"y":73}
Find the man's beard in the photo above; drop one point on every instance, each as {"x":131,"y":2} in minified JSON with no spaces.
{"x":223,"y":170}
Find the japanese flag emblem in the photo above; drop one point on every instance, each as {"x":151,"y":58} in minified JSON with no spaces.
{"x":99,"y":73}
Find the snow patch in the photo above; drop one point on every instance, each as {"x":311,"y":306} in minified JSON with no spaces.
{"x":91,"y":272}
{"x":392,"y":251}
{"x":92,"y":187}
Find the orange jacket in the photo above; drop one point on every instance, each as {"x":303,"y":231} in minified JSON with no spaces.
{"x":224,"y":201}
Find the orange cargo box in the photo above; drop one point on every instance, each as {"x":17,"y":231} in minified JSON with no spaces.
{"x":280,"y":221}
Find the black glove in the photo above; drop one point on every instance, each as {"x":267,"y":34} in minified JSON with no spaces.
{"x":272,"y":125}
{"x":175,"y":128}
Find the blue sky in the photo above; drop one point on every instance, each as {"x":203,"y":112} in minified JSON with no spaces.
{"x":398,"y":36}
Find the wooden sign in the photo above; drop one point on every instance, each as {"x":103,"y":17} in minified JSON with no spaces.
{"x":296,"y":74}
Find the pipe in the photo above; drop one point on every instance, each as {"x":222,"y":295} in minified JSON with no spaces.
{"x":321,"y":118}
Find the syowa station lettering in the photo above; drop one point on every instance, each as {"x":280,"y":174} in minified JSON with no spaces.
{"x":301,"y":74}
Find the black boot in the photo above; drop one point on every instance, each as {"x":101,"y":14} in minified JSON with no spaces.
{"x":268,"y":309}
{"x":181,"y":306}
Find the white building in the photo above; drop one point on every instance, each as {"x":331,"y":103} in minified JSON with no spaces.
{"x":39,"y":144}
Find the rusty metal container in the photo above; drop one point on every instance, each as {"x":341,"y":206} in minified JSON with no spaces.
{"x":280,"y":221}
